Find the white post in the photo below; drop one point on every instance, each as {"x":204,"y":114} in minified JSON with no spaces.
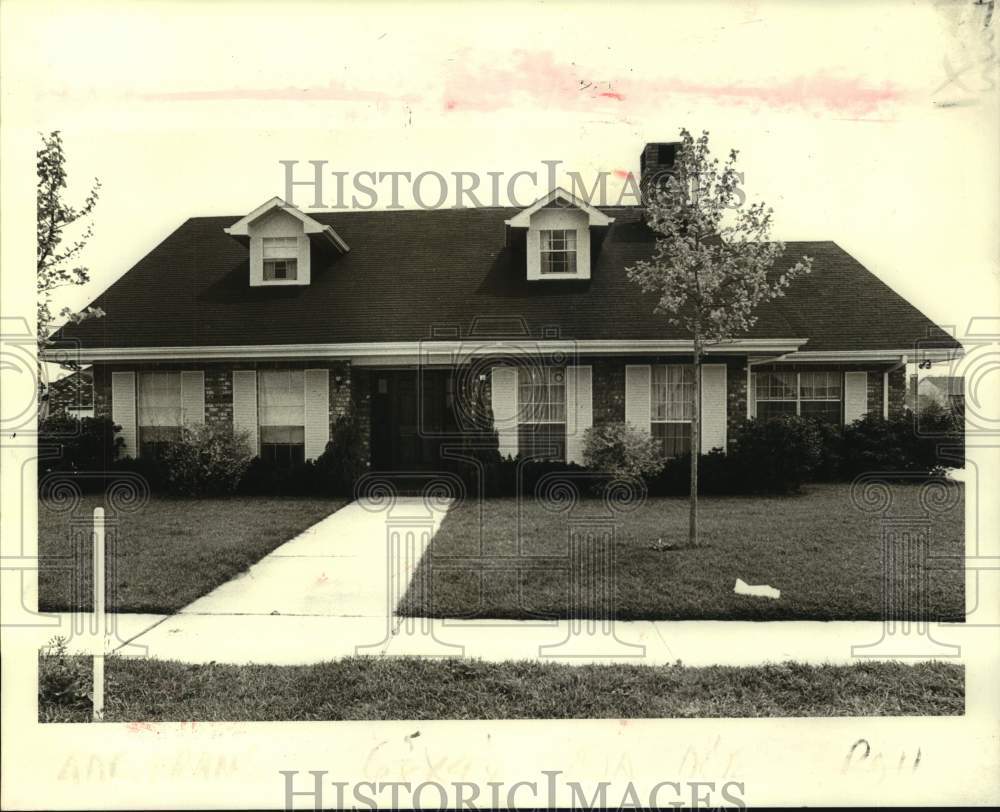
{"x":99,"y":610}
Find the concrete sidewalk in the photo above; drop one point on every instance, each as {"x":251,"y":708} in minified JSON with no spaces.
{"x":328,"y":592}
{"x":308,"y":639}
{"x":339,"y":567}
{"x":331,"y":592}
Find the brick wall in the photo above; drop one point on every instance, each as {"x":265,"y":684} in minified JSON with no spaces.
{"x":340,"y":390}
{"x":736,"y":396}
{"x":608,"y":387}
{"x":347,"y":387}
{"x":102,"y":390}
{"x":359,"y":396}
{"x":218,"y":396}
{"x":350,"y":388}
{"x":897,"y":392}
{"x":874,"y":393}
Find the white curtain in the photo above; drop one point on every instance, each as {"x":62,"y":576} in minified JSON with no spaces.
{"x":282,"y":397}
{"x":672,"y":392}
{"x":542,"y":394}
{"x":819,"y":385}
{"x":281,"y":247}
{"x":160,"y":399}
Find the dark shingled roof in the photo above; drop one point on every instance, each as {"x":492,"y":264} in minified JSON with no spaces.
{"x":408,"y":271}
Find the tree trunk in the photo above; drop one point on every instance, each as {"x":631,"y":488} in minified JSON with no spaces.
{"x":695,"y":443}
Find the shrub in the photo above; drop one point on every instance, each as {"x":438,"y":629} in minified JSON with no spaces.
{"x":333,"y":473}
{"x":895,"y":445}
{"x":151,"y":469}
{"x":717,"y":474}
{"x":508,"y":476}
{"x":622,"y":450}
{"x":942,"y":425}
{"x":480,"y":464}
{"x":65,"y":682}
{"x":831,"y":455}
{"x":263,"y":478}
{"x":525,"y":477}
{"x":343,"y":460}
{"x":776,"y":455}
{"x":87,"y":444}
{"x":206,"y":461}
{"x":258,"y":479}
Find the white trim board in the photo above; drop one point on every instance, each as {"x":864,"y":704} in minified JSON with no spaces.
{"x":870,"y":355}
{"x":595,"y":217}
{"x":440,"y":352}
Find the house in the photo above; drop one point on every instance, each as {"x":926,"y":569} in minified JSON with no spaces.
{"x":938,"y":391}
{"x":72,"y":395}
{"x":280,"y":322}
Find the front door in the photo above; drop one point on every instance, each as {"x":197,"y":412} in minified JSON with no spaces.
{"x":410,"y":413}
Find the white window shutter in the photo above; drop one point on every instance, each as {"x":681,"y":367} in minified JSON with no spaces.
{"x":855,"y":396}
{"x":638,"y":410}
{"x":302,"y":272}
{"x":317,"y":383}
{"x":123,"y":410}
{"x":192,"y":397}
{"x":579,"y":410}
{"x":503,"y":397}
{"x":713,"y":407}
{"x":245,"y":405}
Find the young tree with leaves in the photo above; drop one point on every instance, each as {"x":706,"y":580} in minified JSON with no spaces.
{"x":711,"y":263}
{"x":57,"y":249}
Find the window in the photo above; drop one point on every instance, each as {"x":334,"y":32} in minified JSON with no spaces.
{"x":819,"y":396}
{"x":672,"y":407}
{"x":280,"y":258}
{"x":542,"y":417}
{"x":775,"y":394}
{"x":558,"y":251}
{"x":282,"y":416}
{"x":807,"y":394}
{"x":160,"y":414}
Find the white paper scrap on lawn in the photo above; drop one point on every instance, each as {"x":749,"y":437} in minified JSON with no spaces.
{"x":757,"y":591}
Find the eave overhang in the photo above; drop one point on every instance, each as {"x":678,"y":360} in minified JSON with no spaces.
{"x":595,"y":217}
{"x":458,"y":349}
{"x":312,"y":228}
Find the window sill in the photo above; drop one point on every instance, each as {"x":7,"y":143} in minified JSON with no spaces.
{"x":277,"y":283}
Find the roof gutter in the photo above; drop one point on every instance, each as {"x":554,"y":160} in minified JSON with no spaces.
{"x":885,"y":356}
{"x":418,"y":351}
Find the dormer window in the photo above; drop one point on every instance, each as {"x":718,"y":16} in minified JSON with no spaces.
{"x":559,"y":231}
{"x":280,"y":258}
{"x":558,"y":247}
{"x":281,"y":240}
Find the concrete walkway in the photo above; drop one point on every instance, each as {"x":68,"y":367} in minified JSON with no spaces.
{"x":331,"y":592}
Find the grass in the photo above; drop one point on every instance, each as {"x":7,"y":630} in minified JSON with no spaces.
{"x":362,"y":688}
{"x":166,"y":554}
{"x":65,"y":684}
{"x":818,"y":548}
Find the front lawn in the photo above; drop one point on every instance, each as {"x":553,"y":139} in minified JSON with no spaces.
{"x":823,"y":553}
{"x":140,"y":690}
{"x":169,"y":552}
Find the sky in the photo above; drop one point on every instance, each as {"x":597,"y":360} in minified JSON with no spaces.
{"x":871,"y":124}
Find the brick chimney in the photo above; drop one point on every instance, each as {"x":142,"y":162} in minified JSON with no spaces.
{"x":657,"y":160}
